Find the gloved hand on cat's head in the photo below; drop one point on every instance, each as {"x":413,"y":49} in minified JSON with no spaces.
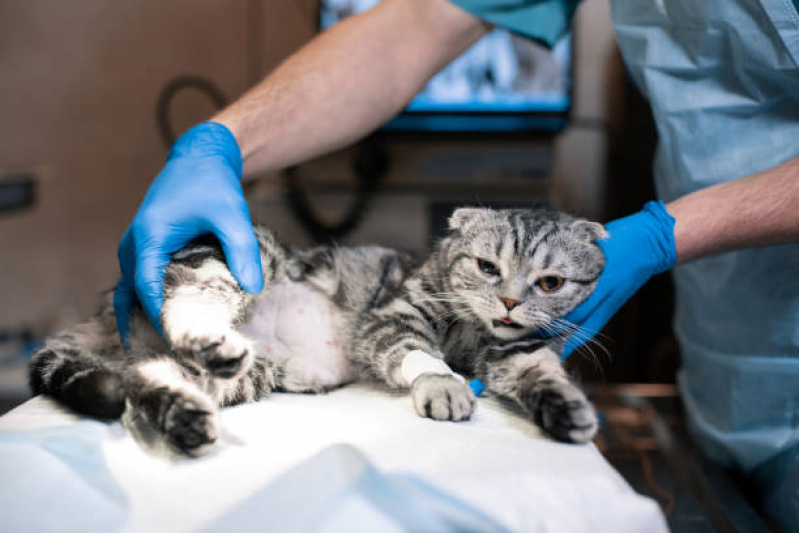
{"x":197,"y":192}
{"x":639,"y":246}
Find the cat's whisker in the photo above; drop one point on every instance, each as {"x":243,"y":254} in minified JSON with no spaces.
{"x":442,"y":297}
{"x":564,"y":329}
{"x":566,"y":323}
{"x":584,"y":334}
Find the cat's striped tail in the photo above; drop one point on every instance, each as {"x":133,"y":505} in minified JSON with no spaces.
{"x":76,"y":379}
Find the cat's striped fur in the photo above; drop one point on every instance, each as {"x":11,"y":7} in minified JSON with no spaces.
{"x":475,"y":302}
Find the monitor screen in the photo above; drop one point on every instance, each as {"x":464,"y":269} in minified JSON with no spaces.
{"x":504,"y":82}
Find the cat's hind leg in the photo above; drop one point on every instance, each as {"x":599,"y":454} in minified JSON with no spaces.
{"x":203,"y":304}
{"x":76,"y":367}
{"x":531,"y":374}
{"x":260,"y":380}
{"x":166,"y":408}
{"x":173,"y":404}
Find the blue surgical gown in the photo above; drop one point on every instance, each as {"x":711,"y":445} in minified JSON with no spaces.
{"x":722,"y":78}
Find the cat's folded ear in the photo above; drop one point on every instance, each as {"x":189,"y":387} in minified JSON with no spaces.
{"x":588,"y":231}
{"x":466,"y":218}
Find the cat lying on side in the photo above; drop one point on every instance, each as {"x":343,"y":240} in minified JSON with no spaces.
{"x":333,"y":315}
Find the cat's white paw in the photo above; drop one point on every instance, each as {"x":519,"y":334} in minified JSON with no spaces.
{"x":227,"y":356}
{"x":442,"y":397}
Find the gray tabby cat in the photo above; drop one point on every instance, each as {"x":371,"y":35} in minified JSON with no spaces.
{"x":334,"y":315}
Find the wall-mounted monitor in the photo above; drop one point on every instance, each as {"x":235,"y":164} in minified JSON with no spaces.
{"x":503,"y":83}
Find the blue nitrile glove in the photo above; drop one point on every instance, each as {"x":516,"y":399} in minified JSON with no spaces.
{"x":197,"y":192}
{"x":639,"y":246}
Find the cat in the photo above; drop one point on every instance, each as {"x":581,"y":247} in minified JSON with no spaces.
{"x":333,"y":315}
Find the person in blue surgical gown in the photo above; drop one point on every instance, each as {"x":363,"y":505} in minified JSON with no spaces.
{"x":722,"y":78}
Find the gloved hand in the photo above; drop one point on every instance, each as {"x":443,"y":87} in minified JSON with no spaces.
{"x":197,"y":192}
{"x":639,"y":246}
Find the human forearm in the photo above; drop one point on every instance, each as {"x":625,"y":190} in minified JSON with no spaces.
{"x":757,"y":210}
{"x":347,"y":81}
{"x":338,"y":88}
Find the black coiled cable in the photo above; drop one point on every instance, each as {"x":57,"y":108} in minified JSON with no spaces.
{"x":369,"y":165}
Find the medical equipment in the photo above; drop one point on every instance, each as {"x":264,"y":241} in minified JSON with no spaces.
{"x":504,"y":83}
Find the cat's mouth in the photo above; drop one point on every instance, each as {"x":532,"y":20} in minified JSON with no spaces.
{"x":506,"y":323}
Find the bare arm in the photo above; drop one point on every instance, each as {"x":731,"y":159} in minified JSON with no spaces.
{"x":757,"y":210}
{"x":348,"y":81}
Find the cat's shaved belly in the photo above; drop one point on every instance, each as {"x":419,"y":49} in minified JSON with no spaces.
{"x":302,"y":331}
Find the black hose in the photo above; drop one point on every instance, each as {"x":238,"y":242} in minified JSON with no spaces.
{"x":369,"y":165}
{"x":168,"y":93}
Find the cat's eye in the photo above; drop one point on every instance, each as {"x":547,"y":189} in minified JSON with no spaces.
{"x":488,"y":267}
{"x":550,"y":283}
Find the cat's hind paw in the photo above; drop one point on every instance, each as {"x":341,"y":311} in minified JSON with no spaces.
{"x":173,"y":421}
{"x":442,"y":397}
{"x":189,"y":428}
{"x":563,"y":411}
{"x":225,"y":356}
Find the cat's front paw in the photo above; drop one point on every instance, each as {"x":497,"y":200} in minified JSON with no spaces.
{"x":226,"y":356}
{"x":562,"y":410}
{"x":442,"y":397}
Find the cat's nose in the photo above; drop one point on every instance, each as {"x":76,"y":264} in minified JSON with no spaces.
{"x":510,"y":303}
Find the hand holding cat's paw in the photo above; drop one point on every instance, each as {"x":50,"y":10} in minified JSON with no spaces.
{"x":226,"y":356}
{"x":563,"y":411}
{"x":442,"y":397}
{"x":197,"y":192}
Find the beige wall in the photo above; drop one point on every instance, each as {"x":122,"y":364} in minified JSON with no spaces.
{"x":78,"y":85}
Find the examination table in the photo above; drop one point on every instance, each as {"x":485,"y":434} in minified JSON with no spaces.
{"x":355,"y":459}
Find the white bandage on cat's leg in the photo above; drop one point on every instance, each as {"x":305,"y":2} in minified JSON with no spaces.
{"x":417,"y":362}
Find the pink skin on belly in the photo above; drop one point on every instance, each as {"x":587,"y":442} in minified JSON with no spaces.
{"x":295,"y":322}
